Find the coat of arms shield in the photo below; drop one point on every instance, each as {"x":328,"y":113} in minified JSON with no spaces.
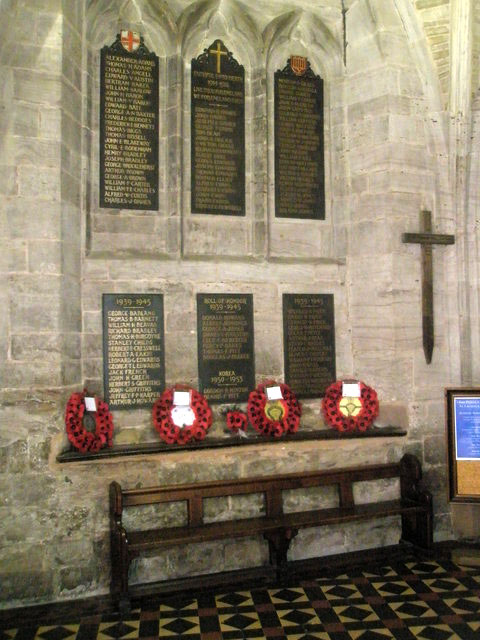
{"x":130,"y":40}
{"x":298,"y":65}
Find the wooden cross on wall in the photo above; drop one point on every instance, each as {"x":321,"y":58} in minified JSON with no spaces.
{"x":427,"y":239}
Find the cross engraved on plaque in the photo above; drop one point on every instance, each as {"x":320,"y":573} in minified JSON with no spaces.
{"x":427,"y":239}
{"x":219,"y":53}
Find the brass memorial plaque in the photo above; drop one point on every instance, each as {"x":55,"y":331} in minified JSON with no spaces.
{"x":299,"y":159}
{"x":133,"y":349}
{"x":226,"y":367}
{"x":218,"y":133}
{"x":309,"y":342}
{"x":128,"y":125}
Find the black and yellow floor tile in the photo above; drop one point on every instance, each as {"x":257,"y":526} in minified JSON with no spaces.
{"x":429,"y":600}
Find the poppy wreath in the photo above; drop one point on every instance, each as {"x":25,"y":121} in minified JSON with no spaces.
{"x":277,"y":417}
{"x":80,"y":438}
{"x":236,"y":420}
{"x":360,"y":419}
{"x":168,"y":431}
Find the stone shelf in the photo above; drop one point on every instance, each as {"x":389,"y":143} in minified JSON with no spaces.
{"x":229,"y":441}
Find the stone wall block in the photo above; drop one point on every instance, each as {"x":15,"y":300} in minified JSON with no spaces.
{"x":378,"y":106}
{"x":17,"y":457}
{"x":26,"y":120}
{"x":39,"y":182}
{"x":161,"y":515}
{"x":13,"y":256}
{"x":50,"y":122}
{"x":316,"y":542}
{"x":370,"y":535}
{"x":38,"y":453}
{"x":35,"y":284}
{"x":44,"y":256}
{"x":23,"y":573}
{"x":403,"y":181}
{"x":372,"y":84}
{"x":33,"y":87}
{"x":34,"y":58}
{"x":181,"y":359}
{"x":93,"y":370}
{"x":124,"y":223}
{"x":71,"y":161}
{"x":22,"y":375}
{"x":35,"y":489}
{"x":217,"y":237}
{"x":313,"y":498}
{"x":8,"y":180}
{"x":290,"y":239}
{"x":30,"y":347}
{"x":127,"y":245}
{"x":92,"y":346}
{"x":70,"y":189}
{"x":33,"y":313}
{"x":92,"y":293}
{"x":72,"y":104}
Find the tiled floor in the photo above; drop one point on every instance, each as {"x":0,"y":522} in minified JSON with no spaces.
{"x":432,"y":600}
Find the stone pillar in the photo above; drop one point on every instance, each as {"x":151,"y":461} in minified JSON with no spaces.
{"x":40,"y":248}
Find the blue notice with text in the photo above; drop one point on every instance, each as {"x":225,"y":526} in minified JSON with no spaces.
{"x":467,"y":427}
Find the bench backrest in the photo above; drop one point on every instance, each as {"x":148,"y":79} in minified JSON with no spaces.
{"x":408,"y":470}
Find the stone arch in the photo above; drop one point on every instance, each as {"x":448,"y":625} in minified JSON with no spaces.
{"x":110,"y":229}
{"x":199,"y":26}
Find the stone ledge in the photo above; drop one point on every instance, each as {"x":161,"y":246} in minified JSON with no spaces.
{"x":228,"y":441}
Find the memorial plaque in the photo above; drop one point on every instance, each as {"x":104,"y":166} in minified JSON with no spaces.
{"x":226,"y":368}
{"x":133,"y":349}
{"x":218,"y":133}
{"x":128,"y":125}
{"x":309,"y":342}
{"x":299,"y":159}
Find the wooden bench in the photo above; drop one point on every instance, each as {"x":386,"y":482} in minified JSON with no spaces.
{"x":278,"y":528}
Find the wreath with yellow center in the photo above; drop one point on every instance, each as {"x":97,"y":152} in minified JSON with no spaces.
{"x":274,"y":417}
{"x":350,"y":413}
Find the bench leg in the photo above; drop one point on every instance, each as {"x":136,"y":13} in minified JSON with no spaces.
{"x":279,"y":543}
{"x":120,"y":561}
{"x":418,"y":529}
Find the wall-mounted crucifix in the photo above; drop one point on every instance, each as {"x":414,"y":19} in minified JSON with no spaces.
{"x":427,"y":239}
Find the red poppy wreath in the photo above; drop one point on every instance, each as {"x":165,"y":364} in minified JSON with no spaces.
{"x":236,"y":420}
{"x":346,"y":413}
{"x":274,"y":417}
{"x":80,"y":438}
{"x":181,"y":426}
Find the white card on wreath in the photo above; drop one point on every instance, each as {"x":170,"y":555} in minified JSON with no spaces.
{"x":274,"y":393}
{"x":90,"y":404}
{"x":181,"y":398}
{"x":351,"y":390}
{"x":182,"y":416}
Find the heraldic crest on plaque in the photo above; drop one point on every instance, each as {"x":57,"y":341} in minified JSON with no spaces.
{"x":129,"y":42}
{"x":298,"y":66}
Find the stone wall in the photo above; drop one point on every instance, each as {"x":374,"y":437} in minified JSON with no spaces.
{"x":388,"y":155}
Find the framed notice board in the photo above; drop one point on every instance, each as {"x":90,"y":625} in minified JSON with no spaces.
{"x":463,"y":439}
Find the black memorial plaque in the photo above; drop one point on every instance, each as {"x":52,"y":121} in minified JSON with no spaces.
{"x":226,"y":368}
{"x":128,"y":125}
{"x":309,"y":342}
{"x":299,"y":157}
{"x":218,"y":133}
{"x":133,"y":349}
